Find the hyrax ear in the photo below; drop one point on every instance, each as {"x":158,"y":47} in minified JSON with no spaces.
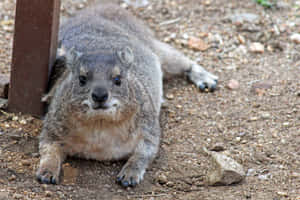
{"x":61,"y":51}
{"x":72,"y":58}
{"x":60,"y":60}
{"x":126,"y":56}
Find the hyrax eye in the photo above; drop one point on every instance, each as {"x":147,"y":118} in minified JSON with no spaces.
{"x":82,"y":80}
{"x":117,"y":80}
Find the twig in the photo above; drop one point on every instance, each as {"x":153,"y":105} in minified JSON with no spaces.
{"x":5,"y":113}
{"x":148,"y":195}
{"x":185,"y":153}
{"x":172,"y":21}
{"x":190,"y":176}
{"x":191,"y":190}
{"x":282,"y":107}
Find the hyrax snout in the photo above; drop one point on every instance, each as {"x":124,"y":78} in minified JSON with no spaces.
{"x":106,"y":104}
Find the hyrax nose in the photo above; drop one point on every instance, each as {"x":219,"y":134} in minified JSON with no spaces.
{"x":100,"y":95}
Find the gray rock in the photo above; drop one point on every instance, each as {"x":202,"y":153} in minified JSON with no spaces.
{"x":282,"y":5}
{"x":264,"y":176}
{"x":225,"y":170}
{"x":244,"y":17}
{"x":18,"y":196}
{"x":3,"y":195}
{"x":137,"y":3}
{"x":250,"y":172}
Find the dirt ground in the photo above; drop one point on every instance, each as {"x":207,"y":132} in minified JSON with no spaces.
{"x":254,"y":115}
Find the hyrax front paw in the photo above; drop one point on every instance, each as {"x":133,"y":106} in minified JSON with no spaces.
{"x":202,"y":78}
{"x":48,"y":173}
{"x":130,"y":175}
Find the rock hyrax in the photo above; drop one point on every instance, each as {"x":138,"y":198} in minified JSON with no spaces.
{"x":106,"y":105}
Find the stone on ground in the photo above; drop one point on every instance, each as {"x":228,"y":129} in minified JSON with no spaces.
{"x":295,"y":38}
{"x":257,"y":47}
{"x":225,"y":170}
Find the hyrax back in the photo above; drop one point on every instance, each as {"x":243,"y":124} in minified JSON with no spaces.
{"x":106,"y":105}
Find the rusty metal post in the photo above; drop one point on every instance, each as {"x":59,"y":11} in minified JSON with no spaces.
{"x":34,"y":51}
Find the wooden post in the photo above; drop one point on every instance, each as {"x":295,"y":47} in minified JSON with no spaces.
{"x":34,"y":51}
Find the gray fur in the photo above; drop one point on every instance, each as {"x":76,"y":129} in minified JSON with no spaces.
{"x":99,"y":45}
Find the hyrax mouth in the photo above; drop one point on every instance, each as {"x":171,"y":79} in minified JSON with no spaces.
{"x":100,"y":106}
{"x":113,"y":103}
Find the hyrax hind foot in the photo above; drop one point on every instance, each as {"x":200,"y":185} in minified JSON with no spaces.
{"x":202,"y":78}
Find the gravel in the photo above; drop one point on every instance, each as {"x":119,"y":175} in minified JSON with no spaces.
{"x":265,"y":108}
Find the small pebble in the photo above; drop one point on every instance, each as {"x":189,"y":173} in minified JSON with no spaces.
{"x":242,"y":134}
{"x":45,"y":186}
{"x":197,"y":44}
{"x":218,"y":147}
{"x":250,"y":172}
{"x":60,"y":194}
{"x":7,"y":22}
{"x":8,"y":28}
{"x":264,"y":176}
{"x":17,"y":196}
{"x":23,"y":121}
{"x":257,"y":47}
{"x":170,"y":184}
{"x":170,"y":96}
{"x":295,"y":38}
{"x":179,"y":106}
{"x":233,"y":84}
{"x":162,"y":179}
{"x":26,"y":163}
{"x":48,"y":193}
{"x":265,"y":115}
{"x":185,"y":36}
{"x":281,"y":193}
{"x":253,"y":119}
{"x":286,"y":124}
{"x":241,"y":39}
{"x":12,"y":178}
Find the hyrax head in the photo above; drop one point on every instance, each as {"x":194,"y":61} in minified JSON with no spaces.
{"x":100,"y":83}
